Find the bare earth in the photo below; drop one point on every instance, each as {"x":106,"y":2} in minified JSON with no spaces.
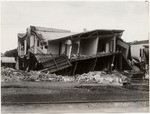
{"x":56,"y":97}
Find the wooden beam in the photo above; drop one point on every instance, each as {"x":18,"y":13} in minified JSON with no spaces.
{"x":112,"y":63}
{"x":93,"y":34}
{"x":100,"y":36}
{"x":75,"y":67}
{"x":35,"y":45}
{"x":78,"y":51}
{"x":25,"y":46}
{"x":95,"y":62}
{"x":114,"y":44}
{"x":67,"y":60}
{"x":120,"y":62}
{"x":54,"y":61}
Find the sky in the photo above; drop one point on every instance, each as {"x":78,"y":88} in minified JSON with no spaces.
{"x":75,"y":16}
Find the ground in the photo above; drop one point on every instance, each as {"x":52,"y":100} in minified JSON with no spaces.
{"x":78,"y":107}
{"x":33,"y":94}
{"x":30,"y":92}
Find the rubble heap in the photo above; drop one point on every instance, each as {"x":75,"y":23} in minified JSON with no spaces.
{"x":9,"y":74}
{"x":101,"y":77}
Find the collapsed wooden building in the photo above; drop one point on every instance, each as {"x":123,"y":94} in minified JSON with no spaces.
{"x":63,"y":52}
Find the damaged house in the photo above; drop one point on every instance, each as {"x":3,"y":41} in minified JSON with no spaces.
{"x":63,"y":52}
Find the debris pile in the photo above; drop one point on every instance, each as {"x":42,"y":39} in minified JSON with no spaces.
{"x":101,"y":77}
{"x":9,"y":74}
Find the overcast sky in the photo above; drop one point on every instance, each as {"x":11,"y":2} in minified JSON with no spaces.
{"x":129,"y":16}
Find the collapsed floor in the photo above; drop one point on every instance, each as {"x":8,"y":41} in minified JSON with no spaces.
{"x":61,"y":65}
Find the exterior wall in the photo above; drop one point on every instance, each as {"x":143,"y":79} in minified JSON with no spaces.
{"x":41,"y":47}
{"x":53,"y":47}
{"x":74,"y":48}
{"x":124,"y":46}
{"x":135,"y":49}
{"x":88,"y":46}
{"x":31,"y":40}
{"x":62,"y":50}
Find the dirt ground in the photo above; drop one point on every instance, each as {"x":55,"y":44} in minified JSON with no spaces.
{"x":59,"y":92}
{"x":78,"y":108}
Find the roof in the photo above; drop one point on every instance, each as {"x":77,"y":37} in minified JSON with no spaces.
{"x":50,"y":33}
{"x":45,"y":29}
{"x":8,"y":60}
{"x":53,"y":35}
{"x":97,"y":32}
{"x":139,"y":42}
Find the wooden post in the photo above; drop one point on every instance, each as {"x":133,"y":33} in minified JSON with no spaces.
{"x":35,"y":45}
{"x":120,"y":62}
{"x":25,"y":46}
{"x":70,"y":48}
{"x":112,"y":63}
{"x":18,"y":49}
{"x":114,"y":45}
{"x":75,"y":67}
{"x":95,"y":63}
{"x":78,"y":51}
{"x":107,"y":47}
{"x":54,"y":61}
{"x":17,"y":63}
